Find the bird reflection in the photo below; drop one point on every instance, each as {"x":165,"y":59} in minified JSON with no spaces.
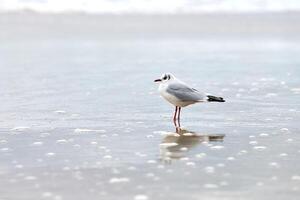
{"x":176,"y":145}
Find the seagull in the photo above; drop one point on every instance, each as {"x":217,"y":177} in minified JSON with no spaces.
{"x":181,"y":95}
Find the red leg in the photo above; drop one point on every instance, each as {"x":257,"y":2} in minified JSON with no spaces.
{"x":174,"y":118}
{"x":179,"y":110}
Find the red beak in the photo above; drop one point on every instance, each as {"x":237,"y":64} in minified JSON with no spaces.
{"x":157,"y":80}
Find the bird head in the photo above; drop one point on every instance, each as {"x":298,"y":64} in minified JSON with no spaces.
{"x":165,"y":77}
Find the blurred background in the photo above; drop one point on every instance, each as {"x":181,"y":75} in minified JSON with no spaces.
{"x":152,"y":6}
{"x":81,"y":118}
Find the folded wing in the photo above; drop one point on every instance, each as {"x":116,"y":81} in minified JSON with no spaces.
{"x":185,"y":93}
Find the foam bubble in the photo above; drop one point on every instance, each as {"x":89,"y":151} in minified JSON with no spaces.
{"x":93,"y":143}
{"x":5,"y":149}
{"x":62,"y":141}
{"x":47,"y":194}
{"x":140,"y":154}
{"x":253,"y":142}
{"x":259,"y":147}
{"x":150,"y":175}
{"x":19,"y":166}
{"x":151,"y":161}
{"x":210,"y":186}
{"x":140,"y":197}
{"x":60,"y":111}
{"x":107,"y":157}
{"x":3,"y":141}
{"x":119,"y":180}
{"x":37,"y":143}
{"x":223,"y":183}
{"x":30,"y":178}
{"x":270,"y":95}
{"x":295,"y":90}
{"x":285,"y":130}
{"x":190,"y":164}
{"x":131,"y":168}
{"x":20,"y":128}
{"x":50,"y":154}
{"x":283,"y":155}
{"x":295,"y":178}
{"x":259,"y":183}
{"x":289,"y":140}
{"x":217,"y":147}
{"x":84,"y":130}
{"x":231,"y":158}
{"x":66,"y":168}
{"x":263,"y":135}
{"x":184,"y":159}
{"x":220,"y":165}
{"x":274,"y":164}
{"x":242,"y":152}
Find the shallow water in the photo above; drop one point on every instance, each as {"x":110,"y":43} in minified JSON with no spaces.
{"x":81,"y":119}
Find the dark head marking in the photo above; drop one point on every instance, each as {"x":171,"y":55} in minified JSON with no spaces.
{"x":165,"y":77}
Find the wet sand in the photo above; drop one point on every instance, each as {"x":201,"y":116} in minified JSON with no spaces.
{"x":81,"y":117}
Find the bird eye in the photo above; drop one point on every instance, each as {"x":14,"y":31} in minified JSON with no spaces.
{"x":165,"y":78}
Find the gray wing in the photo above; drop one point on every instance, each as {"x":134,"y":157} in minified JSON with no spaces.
{"x":185,"y":93}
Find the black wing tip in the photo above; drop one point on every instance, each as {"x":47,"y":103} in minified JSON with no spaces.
{"x":216,"y":99}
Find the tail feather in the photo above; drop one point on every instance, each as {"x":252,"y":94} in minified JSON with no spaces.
{"x":213,"y":98}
